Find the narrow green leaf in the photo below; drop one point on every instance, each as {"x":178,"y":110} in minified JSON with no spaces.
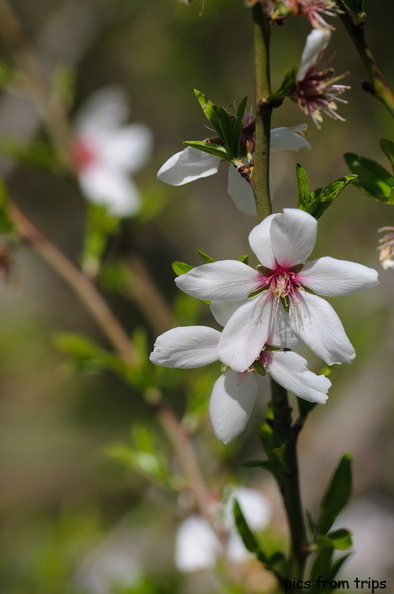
{"x":248,"y":538}
{"x":388,"y":148}
{"x":244,"y":259}
{"x":303,"y":187}
{"x":205,"y":104}
{"x":336,"y":495}
{"x":181,"y":268}
{"x":207,"y":147}
{"x":373,"y":179}
{"x":204,"y":257}
{"x":336,"y":566}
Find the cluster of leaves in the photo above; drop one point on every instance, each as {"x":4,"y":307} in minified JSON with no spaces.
{"x":317,"y":201}
{"x":227,"y":126}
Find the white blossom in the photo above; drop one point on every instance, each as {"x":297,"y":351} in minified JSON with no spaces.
{"x":279,"y":301}
{"x":234,"y":393}
{"x":107,"y":151}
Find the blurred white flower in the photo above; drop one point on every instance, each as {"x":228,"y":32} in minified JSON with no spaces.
{"x":198,"y":547}
{"x":107,"y":151}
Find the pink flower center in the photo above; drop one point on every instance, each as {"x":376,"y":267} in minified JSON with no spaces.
{"x":83,"y":155}
{"x":282,"y":283}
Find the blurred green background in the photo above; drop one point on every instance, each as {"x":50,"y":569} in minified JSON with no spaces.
{"x":63,"y":501}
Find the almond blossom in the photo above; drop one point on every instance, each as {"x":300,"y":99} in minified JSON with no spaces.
{"x":279,"y":300}
{"x":316,"y":87}
{"x":198,"y":547}
{"x":234,"y":394}
{"x":192,"y":164}
{"x":107,"y":151}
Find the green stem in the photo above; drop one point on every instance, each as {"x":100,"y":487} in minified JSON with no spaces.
{"x":260,"y":175}
{"x":378,"y":86}
{"x":289,"y":481}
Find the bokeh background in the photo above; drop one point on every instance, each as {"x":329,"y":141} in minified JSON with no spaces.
{"x":69,"y":512}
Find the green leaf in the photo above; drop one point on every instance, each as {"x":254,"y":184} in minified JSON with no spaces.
{"x":388,"y":148}
{"x":322,"y":563}
{"x":373,"y":179}
{"x":204,"y":256}
{"x":316,"y":202}
{"x":339,"y":539}
{"x":209,"y":147}
{"x":356,"y":6}
{"x":181,"y":268}
{"x":248,"y":538}
{"x":336,"y":495}
{"x":244,"y":259}
{"x":303,"y":187}
{"x":238,"y":126}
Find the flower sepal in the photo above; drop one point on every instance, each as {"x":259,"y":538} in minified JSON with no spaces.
{"x":286,"y":88}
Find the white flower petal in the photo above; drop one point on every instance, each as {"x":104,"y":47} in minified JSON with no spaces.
{"x":260,"y":242}
{"x":328,"y":276}
{"x":231,"y":404}
{"x":290,"y":371}
{"x":246,"y":333}
{"x":316,"y":42}
{"x":317,"y":324}
{"x":293,"y":236}
{"x":187,"y":166}
{"x":126,"y":148}
{"x":254,"y":506}
{"x":106,"y":109}
{"x":289,"y":139}
{"x":186,"y":347}
{"x":112,"y":188}
{"x":241,"y":192}
{"x":227,"y":280}
{"x":196,"y":545}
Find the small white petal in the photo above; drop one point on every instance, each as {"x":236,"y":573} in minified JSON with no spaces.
{"x":246,"y":333}
{"x":328,"y":276}
{"x":227,"y":280}
{"x":316,"y":42}
{"x":293,"y":236}
{"x":186,"y":347}
{"x":187,"y":166}
{"x":290,"y":371}
{"x":231,"y":404}
{"x":289,"y":139}
{"x":317,"y":324}
{"x":126,"y":148}
{"x":106,"y":109}
{"x":112,"y":188}
{"x":241,"y":192}
{"x":196,"y":545}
